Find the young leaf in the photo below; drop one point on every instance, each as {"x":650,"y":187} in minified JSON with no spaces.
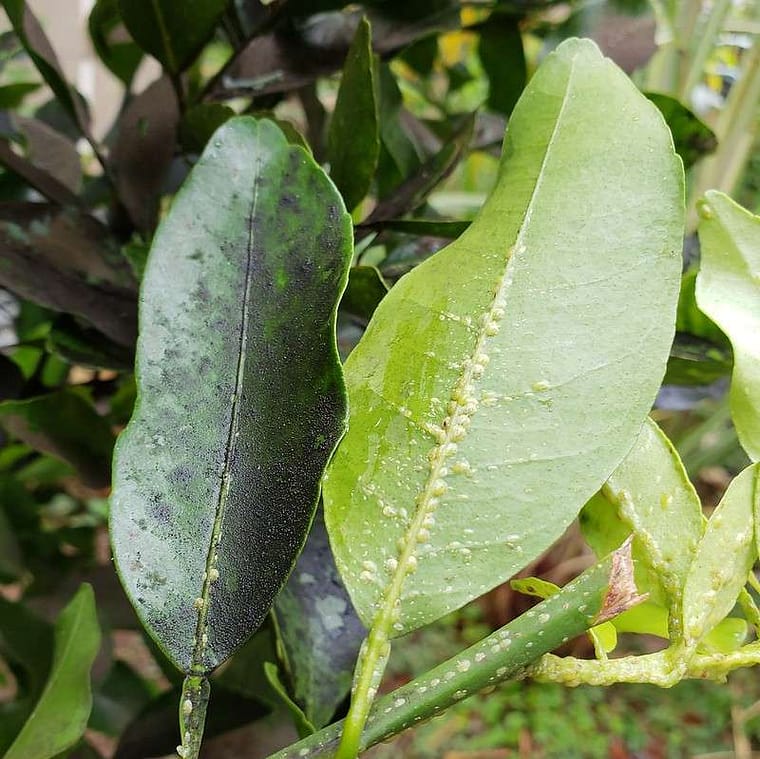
{"x":319,"y":630}
{"x":59,"y":719}
{"x":723,"y":559}
{"x":475,"y":372}
{"x":354,"y":140}
{"x":240,"y":394}
{"x":66,"y":425}
{"x":172,"y":31}
{"x":729,"y":293}
{"x":653,"y":496}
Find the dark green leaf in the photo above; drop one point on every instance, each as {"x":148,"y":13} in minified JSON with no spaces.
{"x":60,"y":716}
{"x":26,"y":644}
{"x":301,"y":721}
{"x":172,"y":31}
{"x":66,"y":425}
{"x":11,"y":566}
{"x":11,"y":378}
{"x":696,"y":362}
{"x":38,"y":46}
{"x":83,"y":346}
{"x":448,"y":230}
{"x":119,"y":699}
{"x":154,"y":731}
{"x":12,"y":95}
{"x":111,"y":42}
{"x":412,"y":193}
{"x":319,"y":630}
{"x":200,"y":122}
{"x":213,"y":493}
{"x":366,"y":288}
{"x":421,"y":55}
{"x":692,"y":137}
{"x":353,"y":143}
{"x":143,"y":151}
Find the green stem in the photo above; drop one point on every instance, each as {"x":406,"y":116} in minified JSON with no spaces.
{"x":595,"y":596}
{"x":707,"y":37}
{"x":192,"y":715}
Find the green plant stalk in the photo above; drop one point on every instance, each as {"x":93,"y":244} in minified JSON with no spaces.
{"x":664,"y":668}
{"x":192,"y":715}
{"x":600,"y":593}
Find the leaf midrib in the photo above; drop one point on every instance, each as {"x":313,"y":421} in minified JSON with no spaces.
{"x":384,"y":618}
{"x":201,"y":643}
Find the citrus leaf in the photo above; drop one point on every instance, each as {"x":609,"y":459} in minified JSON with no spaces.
{"x":60,"y":717}
{"x":724,"y":558}
{"x":318,"y":629}
{"x":113,"y":46}
{"x":172,"y":31}
{"x":728,"y":291}
{"x":354,"y":138}
{"x":213,"y":491}
{"x":471,"y":443}
{"x":66,"y":425}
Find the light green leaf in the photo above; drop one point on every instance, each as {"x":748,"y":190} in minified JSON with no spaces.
{"x":728,"y":291}
{"x":172,"y":31}
{"x":353,"y":144}
{"x":723,"y":559}
{"x":60,"y":717}
{"x":471,"y":442}
{"x":651,"y":495}
{"x":213,"y":492}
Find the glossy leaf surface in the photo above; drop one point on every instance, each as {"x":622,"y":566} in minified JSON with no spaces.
{"x":213,"y":491}
{"x":354,"y":139}
{"x":471,"y":443}
{"x":171,"y":30}
{"x":724,"y":558}
{"x":728,"y":291}
{"x":60,"y":716}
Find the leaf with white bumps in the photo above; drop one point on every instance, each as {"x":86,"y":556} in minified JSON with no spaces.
{"x":471,"y":442}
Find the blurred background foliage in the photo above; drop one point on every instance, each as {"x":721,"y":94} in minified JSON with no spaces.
{"x":407,"y":113}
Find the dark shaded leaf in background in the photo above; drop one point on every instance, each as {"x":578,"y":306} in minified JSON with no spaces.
{"x":692,"y":137}
{"x":353,"y":143}
{"x":121,"y":696}
{"x":111,"y":42}
{"x":65,"y":261}
{"x":503,"y":59}
{"x":50,"y":151}
{"x":319,"y":629}
{"x":11,"y":378}
{"x":154,"y":731}
{"x":26,"y":644}
{"x":12,"y":95}
{"x":65,"y":425}
{"x":200,"y":122}
{"x":366,"y":288}
{"x":237,"y":335}
{"x":59,"y":718}
{"x":38,"y":46}
{"x":412,"y":193}
{"x":83,"y":346}
{"x":172,"y":31}
{"x":143,"y":151}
